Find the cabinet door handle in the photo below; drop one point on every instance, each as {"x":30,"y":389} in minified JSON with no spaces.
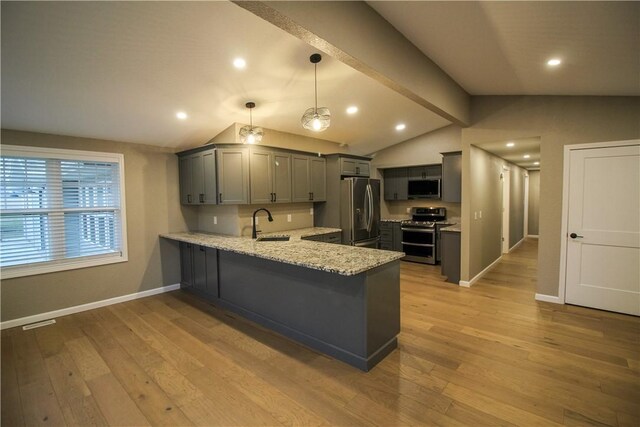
{"x":310,"y":196}
{"x":220,"y":199}
{"x":201,"y":198}
{"x":275,"y":197}
{"x":188,"y":198}
{"x":357,"y":170}
{"x":202,"y":249}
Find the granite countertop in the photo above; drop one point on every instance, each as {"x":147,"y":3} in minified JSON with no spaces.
{"x":455,"y":228}
{"x":393,"y":219}
{"x":329,"y":257}
{"x":299,"y":233}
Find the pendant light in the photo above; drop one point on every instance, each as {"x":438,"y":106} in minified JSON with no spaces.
{"x":249,"y":134}
{"x":316,"y":119}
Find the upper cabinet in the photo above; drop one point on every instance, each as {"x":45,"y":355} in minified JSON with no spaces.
{"x":396,"y":184}
{"x":198,"y":178}
{"x":270,"y":176}
{"x":424,"y":172}
{"x":452,"y":177}
{"x":233,"y":176}
{"x":354,"y":167}
{"x":309,"y":183}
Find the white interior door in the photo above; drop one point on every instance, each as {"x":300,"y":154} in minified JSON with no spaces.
{"x":603,"y":247}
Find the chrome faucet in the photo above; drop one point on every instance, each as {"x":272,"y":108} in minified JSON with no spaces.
{"x":254,"y":232}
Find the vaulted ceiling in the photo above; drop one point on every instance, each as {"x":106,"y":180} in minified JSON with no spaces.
{"x":121,"y":70}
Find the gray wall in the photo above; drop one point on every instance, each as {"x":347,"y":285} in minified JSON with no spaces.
{"x":516,"y":205}
{"x":534,"y":202}
{"x":558,"y":121}
{"x":152,"y":202}
{"x":485,"y":233}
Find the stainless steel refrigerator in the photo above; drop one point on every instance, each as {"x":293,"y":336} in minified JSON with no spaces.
{"x":360,"y":211}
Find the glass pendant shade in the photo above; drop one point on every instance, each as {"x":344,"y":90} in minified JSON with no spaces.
{"x":316,"y":119}
{"x":248,"y":133}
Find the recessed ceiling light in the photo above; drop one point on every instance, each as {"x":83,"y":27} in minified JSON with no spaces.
{"x":510,"y":144}
{"x":181,"y":115}
{"x":536,"y":163}
{"x":352,"y":110}
{"x":239,"y":63}
{"x":526,"y":156}
{"x":554,"y":62}
{"x":400,"y":126}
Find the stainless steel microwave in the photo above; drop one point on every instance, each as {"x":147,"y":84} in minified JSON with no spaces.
{"x":424,"y":189}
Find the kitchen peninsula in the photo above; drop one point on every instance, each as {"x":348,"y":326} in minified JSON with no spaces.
{"x":343,"y":301}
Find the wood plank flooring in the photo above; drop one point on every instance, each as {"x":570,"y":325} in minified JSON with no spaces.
{"x":489,"y":355}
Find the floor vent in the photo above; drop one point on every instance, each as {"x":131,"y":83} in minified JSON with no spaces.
{"x":39,"y":324}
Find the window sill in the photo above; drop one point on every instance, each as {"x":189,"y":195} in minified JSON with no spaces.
{"x":63,"y":265}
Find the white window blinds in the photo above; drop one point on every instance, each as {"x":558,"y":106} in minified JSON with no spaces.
{"x":57,"y":210}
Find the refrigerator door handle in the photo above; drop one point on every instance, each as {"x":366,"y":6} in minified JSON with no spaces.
{"x":366,"y":212}
{"x":370,"y":201}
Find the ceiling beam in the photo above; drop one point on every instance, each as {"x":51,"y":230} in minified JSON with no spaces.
{"x":358,"y":36}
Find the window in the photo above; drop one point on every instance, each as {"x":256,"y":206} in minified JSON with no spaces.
{"x":60,"y":209}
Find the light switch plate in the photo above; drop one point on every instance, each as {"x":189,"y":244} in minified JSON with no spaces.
{"x":408,"y":210}
{"x":288,"y":217}
{"x":215,"y":220}
{"x":310,"y":211}
{"x":480,"y":214}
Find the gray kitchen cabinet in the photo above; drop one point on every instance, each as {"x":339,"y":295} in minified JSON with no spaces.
{"x":186,"y":265}
{"x":198,"y":178}
{"x":199,"y":270}
{"x":335,"y":237}
{"x":390,"y":236}
{"x":318,"y":178}
{"x":424,"y":172}
{"x":233,"y":176}
{"x":395,"y":184}
{"x":452,"y":177}
{"x":450,"y":255}
{"x":354,"y":167}
{"x":270,"y":176}
{"x":309,"y":183}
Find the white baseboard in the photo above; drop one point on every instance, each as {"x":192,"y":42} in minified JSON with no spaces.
{"x":549,"y":298}
{"x":84,"y":307}
{"x":516,"y":245}
{"x":477,"y":277}
{"x":532,"y":236}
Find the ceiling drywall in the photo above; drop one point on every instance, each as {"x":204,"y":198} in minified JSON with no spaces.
{"x":501,"y":47}
{"x":121,"y":71}
{"x":516,"y":153}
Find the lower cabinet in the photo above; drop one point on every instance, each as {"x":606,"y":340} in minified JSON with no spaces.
{"x":390,"y":236}
{"x":450,"y":250}
{"x":199,"y":270}
{"x":326,"y":238}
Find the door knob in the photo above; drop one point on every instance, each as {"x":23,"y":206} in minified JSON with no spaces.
{"x":575,"y":236}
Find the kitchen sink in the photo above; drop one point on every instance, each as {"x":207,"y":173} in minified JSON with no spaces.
{"x":273,"y":239}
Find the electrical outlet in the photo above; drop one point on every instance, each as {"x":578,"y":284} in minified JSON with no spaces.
{"x":288,"y":217}
{"x":475,"y":215}
{"x":311,"y":211}
{"x":215,"y":220}
{"x":480,"y":214}
{"x":408,"y":210}
{"x":256,"y":219}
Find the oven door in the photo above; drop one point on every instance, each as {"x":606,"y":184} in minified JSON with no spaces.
{"x":419,"y":244}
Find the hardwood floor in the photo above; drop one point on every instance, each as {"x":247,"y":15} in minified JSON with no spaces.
{"x":489,"y":355}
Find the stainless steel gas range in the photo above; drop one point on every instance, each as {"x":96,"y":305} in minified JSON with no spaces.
{"x":420,"y":234}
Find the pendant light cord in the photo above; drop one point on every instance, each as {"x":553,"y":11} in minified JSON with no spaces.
{"x":315,"y":78}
